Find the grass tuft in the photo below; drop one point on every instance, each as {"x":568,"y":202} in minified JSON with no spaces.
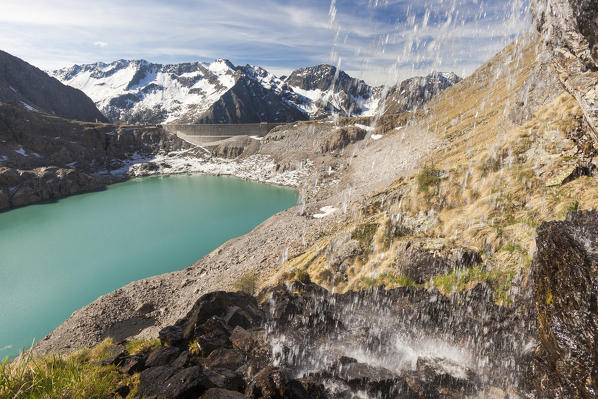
{"x":429,"y":177}
{"x":78,"y":375}
{"x":247,"y":282}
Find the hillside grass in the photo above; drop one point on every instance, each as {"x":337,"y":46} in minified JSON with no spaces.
{"x":488,"y":187}
{"x":74,"y":376}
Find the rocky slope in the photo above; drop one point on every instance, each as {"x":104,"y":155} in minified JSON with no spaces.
{"x":413,"y":93}
{"x":139,"y":91}
{"x":568,"y":28}
{"x":31,"y":88}
{"x":44,"y":157}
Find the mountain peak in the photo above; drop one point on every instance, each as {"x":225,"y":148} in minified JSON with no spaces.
{"x":23,"y":83}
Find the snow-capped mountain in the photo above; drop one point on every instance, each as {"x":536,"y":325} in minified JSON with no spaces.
{"x":414,"y":92}
{"x":32,"y":88}
{"x":139,"y":91}
{"x":220,"y":92}
{"x":326,"y":89}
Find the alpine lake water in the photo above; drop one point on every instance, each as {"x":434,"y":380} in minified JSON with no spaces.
{"x":57,"y":257}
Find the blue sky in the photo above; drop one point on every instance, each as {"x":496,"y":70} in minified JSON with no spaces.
{"x":381,"y":41}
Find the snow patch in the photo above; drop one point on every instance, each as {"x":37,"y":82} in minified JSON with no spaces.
{"x":21,"y":151}
{"x":327,"y":210}
{"x":377,"y":136}
{"x":29,"y":107}
{"x":364,"y":127}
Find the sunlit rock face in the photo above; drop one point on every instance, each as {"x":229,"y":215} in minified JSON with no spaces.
{"x":565,"y":274}
{"x":586,"y":14}
{"x":570,"y":32}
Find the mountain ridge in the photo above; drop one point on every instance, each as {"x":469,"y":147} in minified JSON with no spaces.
{"x":23,"y":83}
{"x":135,"y":91}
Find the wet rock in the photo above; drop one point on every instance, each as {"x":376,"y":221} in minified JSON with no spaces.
{"x":217,"y":393}
{"x":225,"y":358}
{"x":225,"y":378}
{"x":213,"y":304}
{"x":275,"y":383}
{"x":214,"y":335}
{"x":253,"y":345}
{"x":152,"y":380}
{"x":376,"y":381}
{"x":235,"y":316}
{"x":436,"y":375}
{"x":162,"y":356}
{"x":565,"y":278}
{"x":169,"y":382}
{"x":181,"y":360}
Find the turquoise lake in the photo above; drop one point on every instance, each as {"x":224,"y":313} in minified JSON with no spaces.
{"x":57,"y":257}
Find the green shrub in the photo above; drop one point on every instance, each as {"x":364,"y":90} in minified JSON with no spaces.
{"x":364,"y":233}
{"x":428,"y":177}
{"x":247,"y":282}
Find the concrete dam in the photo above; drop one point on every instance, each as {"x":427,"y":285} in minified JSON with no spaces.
{"x":212,"y":134}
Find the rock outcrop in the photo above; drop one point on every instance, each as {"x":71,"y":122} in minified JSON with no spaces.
{"x":28,"y":86}
{"x":44,"y":158}
{"x":569,"y":31}
{"x":565,"y":274}
{"x":300,"y":342}
{"x":413,"y":93}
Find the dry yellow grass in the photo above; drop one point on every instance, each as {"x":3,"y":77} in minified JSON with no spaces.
{"x":497,"y":181}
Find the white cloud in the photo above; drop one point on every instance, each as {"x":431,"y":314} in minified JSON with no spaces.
{"x":380,"y":44}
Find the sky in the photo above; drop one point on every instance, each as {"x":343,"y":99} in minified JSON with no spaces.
{"x":380,"y":41}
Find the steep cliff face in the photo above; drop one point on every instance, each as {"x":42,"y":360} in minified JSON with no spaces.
{"x":44,"y":157}
{"x":413,"y":93}
{"x":32,"y":88}
{"x":569,"y":31}
{"x":565,"y":274}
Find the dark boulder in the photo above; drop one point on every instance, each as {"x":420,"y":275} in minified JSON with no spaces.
{"x":170,"y":382}
{"x":277,"y":383}
{"x":565,"y":276}
{"x":213,"y":304}
{"x":217,"y":393}
{"x":225,"y":379}
{"x":225,"y":358}
{"x":162,"y":356}
{"x":171,"y":335}
{"x":122,"y":391}
{"x":132,"y":364}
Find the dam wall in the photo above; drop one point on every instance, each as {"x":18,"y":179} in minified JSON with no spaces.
{"x":222,"y":130}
